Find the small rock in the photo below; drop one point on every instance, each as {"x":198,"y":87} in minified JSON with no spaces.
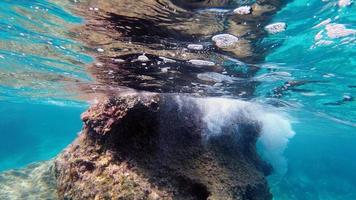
{"x":214,"y":77}
{"x":195,"y":47}
{"x":99,"y":64}
{"x":167,"y":60}
{"x":95,"y":9}
{"x":225,"y":40}
{"x":201,"y":62}
{"x":100,"y":50}
{"x":338,"y":30}
{"x":165,"y":69}
{"x":146,"y":78}
{"x":242,"y":93}
{"x":276,"y":27}
{"x":243,"y":10}
{"x":117,"y":60}
{"x":143,"y":58}
{"x":329,"y":75}
{"x":344,"y":3}
{"x":154,"y":196}
{"x":218,"y":85}
{"x":348,"y":98}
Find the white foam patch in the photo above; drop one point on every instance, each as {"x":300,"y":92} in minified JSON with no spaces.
{"x":276,"y":128}
{"x":276,"y":133}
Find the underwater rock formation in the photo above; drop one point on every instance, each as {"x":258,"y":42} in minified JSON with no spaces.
{"x":276,"y":27}
{"x":154,"y":146}
{"x":243,"y":10}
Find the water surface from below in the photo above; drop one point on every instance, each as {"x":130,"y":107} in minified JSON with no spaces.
{"x":317,"y":52}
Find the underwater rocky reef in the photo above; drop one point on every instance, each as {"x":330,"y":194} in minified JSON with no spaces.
{"x":154,"y":131}
{"x":153,"y":146}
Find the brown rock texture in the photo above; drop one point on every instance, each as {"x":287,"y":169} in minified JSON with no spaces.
{"x":149,"y":146}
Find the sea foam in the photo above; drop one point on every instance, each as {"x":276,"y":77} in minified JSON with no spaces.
{"x":221,"y":113}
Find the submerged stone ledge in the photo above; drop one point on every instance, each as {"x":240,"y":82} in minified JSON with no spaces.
{"x":140,"y":145}
{"x":151,"y":146}
{"x":145,"y":145}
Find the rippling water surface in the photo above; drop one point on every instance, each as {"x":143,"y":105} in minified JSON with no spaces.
{"x":320,"y":68}
{"x":305,"y":75}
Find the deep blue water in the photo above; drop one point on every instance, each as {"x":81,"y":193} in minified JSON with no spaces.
{"x":39,"y":113}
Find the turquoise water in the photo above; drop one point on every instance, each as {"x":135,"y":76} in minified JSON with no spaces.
{"x":321,"y":158}
{"x":35,"y":132}
{"x":37,"y":57}
{"x":38,"y":117}
{"x":39,"y":109}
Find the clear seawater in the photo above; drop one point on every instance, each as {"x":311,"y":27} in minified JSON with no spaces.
{"x":35,"y":132}
{"x":40,"y":113}
{"x":321,"y":156}
{"x":38,"y":117}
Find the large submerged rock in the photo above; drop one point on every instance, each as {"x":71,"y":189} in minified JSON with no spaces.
{"x":154,"y":146}
{"x":158,"y":146}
